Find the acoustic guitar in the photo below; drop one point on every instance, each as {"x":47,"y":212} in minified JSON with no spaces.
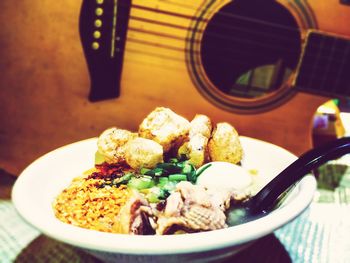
{"x":263,"y":66}
{"x":244,"y":57}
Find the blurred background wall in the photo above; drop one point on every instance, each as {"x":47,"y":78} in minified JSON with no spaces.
{"x":43,"y":80}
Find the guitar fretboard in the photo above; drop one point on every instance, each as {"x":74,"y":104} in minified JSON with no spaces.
{"x":325,"y":66}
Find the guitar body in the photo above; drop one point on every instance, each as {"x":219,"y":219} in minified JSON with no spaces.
{"x":45,"y":82}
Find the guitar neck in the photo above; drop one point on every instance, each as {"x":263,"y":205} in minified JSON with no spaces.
{"x":324,"y":68}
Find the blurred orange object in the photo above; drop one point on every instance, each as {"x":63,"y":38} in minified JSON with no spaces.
{"x":327,"y":123}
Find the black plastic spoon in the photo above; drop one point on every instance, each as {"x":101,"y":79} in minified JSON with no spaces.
{"x":266,"y":198}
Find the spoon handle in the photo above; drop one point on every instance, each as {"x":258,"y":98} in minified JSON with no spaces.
{"x":266,"y":197}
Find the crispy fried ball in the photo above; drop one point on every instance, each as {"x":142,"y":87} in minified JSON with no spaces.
{"x":165,"y":127}
{"x":141,"y":152}
{"x":201,"y":124}
{"x":195,"y":147}
{"x":195,"y":150}
{"x":225,"y":144}
{"x":111,"y":142}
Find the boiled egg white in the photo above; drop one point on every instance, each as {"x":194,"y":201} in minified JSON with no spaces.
{"x":224,"y":175}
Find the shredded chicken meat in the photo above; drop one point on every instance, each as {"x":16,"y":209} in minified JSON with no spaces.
{"x":191,"y":208}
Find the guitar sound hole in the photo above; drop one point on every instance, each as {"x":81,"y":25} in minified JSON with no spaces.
{"x":250,"y":47}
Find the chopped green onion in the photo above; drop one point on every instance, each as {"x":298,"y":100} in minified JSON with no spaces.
{"x":202,"y":169}
{"x":152,"y":197}
{"x":173,"y":160}
{"x":192,"y":177}
{"x":162,"y":181}
{"x":141,"y":183}
{"x":144,"y":170}
{"x":170,"y":186}
{"x":123,"y":180}
{"x":164,"y":193}
{"x":155,"y":172}
{"x":177,"y":177}
{"x":169,"y":168}
{"x":155,"y":194}
{"x":187,"y":168}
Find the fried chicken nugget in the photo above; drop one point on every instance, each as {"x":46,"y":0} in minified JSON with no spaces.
{"x":225,"y":144}
{"x":111,"y":142}
{"x":141,"y":152}
{"x":165,"y":127}
{"x":195,"y":148}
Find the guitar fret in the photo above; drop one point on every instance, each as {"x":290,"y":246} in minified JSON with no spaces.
{"x":314,"y":65}
{"x":325,"y":78}
{"x":345,"y":59}
{"x":324,"y":67}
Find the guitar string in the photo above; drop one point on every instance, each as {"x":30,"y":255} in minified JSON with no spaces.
{"x":326,"y":73}
{"x":230,"y":15}
{"x":185,"y":28}
{"x":183,"y":59}
{"x":313,"y":70}
{"x":187,"y":51}
{"x":191,"y":7}
{"x":276,"y":36}
{"x":171,"y":67}
{"x":167,"y":24}
{"x":139,"y":62}
{"x":244,"y":41}
{"x":190,"y":17}
{"x":342,"y":66}
{"x":252,"y":42}
{"x":162,"y":56}
{"x":270,"y":46}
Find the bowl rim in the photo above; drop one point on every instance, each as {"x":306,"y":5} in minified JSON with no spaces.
{"x":170,"y":244}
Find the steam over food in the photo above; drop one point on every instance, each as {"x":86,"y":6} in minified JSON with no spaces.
{"x":172,"y":176}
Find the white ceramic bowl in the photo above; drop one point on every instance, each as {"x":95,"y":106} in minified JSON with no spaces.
{"x":45,"y":178}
